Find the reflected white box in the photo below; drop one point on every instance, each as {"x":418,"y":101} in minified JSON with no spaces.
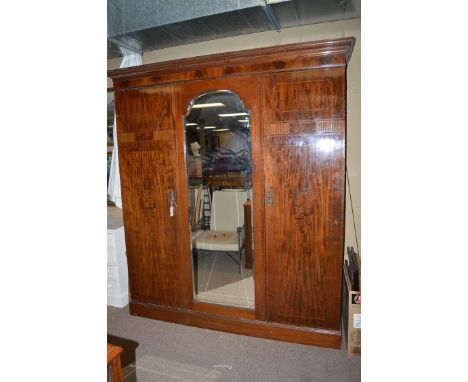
{"x":117,"y":272}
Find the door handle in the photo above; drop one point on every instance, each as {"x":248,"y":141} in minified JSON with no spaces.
{"x":171,"y":197}
{"x":172,"y":203}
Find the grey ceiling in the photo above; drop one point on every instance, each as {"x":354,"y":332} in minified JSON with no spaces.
{"x":143,"y":25}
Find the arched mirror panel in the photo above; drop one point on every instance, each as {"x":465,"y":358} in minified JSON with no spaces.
{"x":219,"y":172}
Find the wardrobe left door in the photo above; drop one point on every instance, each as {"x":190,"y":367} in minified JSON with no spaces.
{"x":149,"y":184}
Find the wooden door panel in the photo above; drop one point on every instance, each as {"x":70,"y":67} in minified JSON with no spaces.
{"x":148,"y":166}
{"x":304,"y":225}
{"x":145,"y":110}
{"x":304,"y":135}
{"x":309,"y":95}
{"x":248,"y":89}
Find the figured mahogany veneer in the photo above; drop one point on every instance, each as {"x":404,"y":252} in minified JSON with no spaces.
{"x":296,"y":95}
{"x":148,"y":173}
{"x":304,"y":154}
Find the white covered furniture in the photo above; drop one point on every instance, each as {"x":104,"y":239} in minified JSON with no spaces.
{"x":117,"y":273}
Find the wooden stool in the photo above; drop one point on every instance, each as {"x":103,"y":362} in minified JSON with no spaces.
{"x":114,"y":368}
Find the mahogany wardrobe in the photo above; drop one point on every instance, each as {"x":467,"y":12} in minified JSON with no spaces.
{"x":296,"y":98}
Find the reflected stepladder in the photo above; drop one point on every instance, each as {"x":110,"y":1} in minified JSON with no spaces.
{"x":218,"y":159}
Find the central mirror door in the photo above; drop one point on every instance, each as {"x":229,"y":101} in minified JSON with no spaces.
{"x":218,"y":160}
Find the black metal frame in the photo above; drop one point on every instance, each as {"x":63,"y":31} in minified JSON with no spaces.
{"x":241,"y":247}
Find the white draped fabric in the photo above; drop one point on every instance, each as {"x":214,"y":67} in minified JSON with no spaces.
{"x":113,"y":188}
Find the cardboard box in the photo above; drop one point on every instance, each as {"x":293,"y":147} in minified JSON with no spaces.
{"x":351,"y":316}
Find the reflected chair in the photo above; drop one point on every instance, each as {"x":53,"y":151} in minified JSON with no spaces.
{"x":226,"y":233}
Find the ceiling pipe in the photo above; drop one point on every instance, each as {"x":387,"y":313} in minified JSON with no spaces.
{"x":124,"y":47}
{"x":271,"y":16}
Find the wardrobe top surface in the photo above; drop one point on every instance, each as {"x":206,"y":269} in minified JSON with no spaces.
{"x":339,"y":45}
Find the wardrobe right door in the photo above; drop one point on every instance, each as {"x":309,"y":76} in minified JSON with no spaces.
{"x":304,"y":162}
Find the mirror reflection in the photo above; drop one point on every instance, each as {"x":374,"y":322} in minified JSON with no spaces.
{"x":218,"y":159}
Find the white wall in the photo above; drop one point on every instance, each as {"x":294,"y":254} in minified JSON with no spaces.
{"x":347,"y":28}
